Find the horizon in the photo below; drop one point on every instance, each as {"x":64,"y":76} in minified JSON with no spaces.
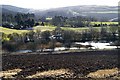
{"x":35,"y":4}
{"x":55,"y":7}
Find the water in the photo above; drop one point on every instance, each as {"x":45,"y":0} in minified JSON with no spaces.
{"x":98,"y":45}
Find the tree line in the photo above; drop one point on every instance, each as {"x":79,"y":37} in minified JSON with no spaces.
{"x":77,"y":21}
{"x":57,"y":38}
{"x":18,"y":21}
{"x":23,"y":21}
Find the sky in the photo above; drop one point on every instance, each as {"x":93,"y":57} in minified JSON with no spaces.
{"x":46,"y":4}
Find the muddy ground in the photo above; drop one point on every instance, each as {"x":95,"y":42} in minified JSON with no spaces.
{"x":69,"y":65}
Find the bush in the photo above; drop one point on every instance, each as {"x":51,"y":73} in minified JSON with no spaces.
{"x":31,"y":46}
{"x":10,"y":46}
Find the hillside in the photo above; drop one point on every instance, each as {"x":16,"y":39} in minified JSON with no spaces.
{"x":100,"y":12}
{"x":13,"y":9}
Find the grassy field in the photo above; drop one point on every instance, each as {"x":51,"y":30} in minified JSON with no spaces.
{"x":10,"y":31}
{"x":43,"y":28}
{"x":51,"y":28}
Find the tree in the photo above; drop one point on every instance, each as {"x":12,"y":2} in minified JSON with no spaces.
{"x":58,"y":34}
{"x":77,"y":36}
{"x":103,"y":33}
{"x":42,"y":24}
{"x":67,"y":37}
{"x":113,"y":31}
{"x":32,"y":46}
{"x":14,"y":37}
{"x":45,"y":36}
{"x":84,"y":36}
{"x":94,"y":34}
{"x":58,"y":21}
{"x":118,"y":41}
{"x":29,"y":37}
{"x":24,"y":20}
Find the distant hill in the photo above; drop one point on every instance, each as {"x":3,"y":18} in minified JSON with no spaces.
{"x":7,"y":11}
{"x":100,"y":12}
{"x":7,"y":8}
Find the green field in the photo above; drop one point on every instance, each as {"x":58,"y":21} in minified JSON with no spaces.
{"x":42,"y":28}
{"x":10,"y":31}
{"x":51,"y":28}
{"x":46,"y":28}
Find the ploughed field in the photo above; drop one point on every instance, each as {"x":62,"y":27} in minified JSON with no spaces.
{"x":65,"y":65}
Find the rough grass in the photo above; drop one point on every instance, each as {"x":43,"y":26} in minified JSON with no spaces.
{"x":51,"y":28}
{"x":40,"y":28}
{"x":44,"y":28}
{"x":10,"y":31}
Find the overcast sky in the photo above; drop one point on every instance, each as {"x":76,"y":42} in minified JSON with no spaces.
{"x":46,"y":4}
